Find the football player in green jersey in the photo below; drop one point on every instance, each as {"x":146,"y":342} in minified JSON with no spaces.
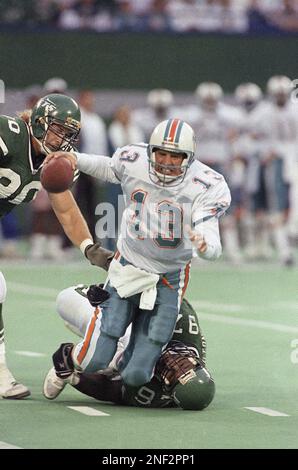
{"x":53,"y":124}
{"x":180,"y":378}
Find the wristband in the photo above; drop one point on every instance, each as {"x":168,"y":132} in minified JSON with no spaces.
{"x":85,"y":243}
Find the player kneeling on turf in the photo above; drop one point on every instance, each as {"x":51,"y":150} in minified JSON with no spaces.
{"x":180,"y":377}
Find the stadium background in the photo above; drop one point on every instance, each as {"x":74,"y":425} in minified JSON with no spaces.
{"x":248,"y":312}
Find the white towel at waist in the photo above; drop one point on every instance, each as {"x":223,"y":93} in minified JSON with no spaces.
{"x":129,"y":280}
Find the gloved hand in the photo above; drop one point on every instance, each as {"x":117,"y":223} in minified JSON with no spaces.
{"x":97,"y":295}
{"x":62,"y":360}
{"x":99,"y":256}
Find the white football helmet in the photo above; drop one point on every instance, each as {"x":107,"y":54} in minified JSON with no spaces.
{"x":160,"y":98}
{"x":209,"y":94}
{"x":175,"y":136}
{"x":279,"y":84}
{"x":279,"y":88}
{"x":248,"y":94}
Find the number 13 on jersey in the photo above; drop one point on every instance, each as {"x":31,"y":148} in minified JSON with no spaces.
{"x":167,"y":231}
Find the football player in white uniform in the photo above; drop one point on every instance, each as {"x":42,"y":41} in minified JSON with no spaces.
{"x":276,"y":126}
{"x":216,"y":126}
{"x":165,"y":191}
{"x":246,"y":149}
{"x":160,"y":106}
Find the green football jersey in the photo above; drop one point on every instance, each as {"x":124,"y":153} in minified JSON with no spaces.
{"x":19,"y":180}
{"x":187,"y":331}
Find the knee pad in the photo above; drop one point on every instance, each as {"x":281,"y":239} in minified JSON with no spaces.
{"x":3,"y":288}
{"x":74,"y":309}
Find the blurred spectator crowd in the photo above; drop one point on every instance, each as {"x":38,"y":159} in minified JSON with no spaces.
{"x":181,"y":16}
{"x":250,"y":136}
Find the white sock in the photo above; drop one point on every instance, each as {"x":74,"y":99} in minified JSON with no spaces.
{"x":38,"y":246}
{"x":281,"y":242}
{"x":54,"y":247}
{"x":2,"y":354}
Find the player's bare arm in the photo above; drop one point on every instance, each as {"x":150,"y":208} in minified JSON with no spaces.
{"x":75,"y":227}
{"x":70,"y":217}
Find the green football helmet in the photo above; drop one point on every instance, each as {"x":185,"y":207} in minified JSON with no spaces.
{"x":60,"y":115}
{"x":185,"y":377}
{"x":195,"y":390}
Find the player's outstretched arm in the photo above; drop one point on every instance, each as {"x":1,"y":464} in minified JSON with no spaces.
{"x":70,"y":217}
{"x":98,"y":166}
{"x":75,"y":227}
{"x":69,"y":155}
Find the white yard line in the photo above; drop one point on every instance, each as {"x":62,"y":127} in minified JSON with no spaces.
{"x":218,"y":307}
{"x":30,"y":354}
{"x":247,"y":322}
{"x":32,"y":290}
{"x":285,"y":304}
{"x":26,"y":265}
{"x":44,"y":304}
{"x":234,"y":308}
{"x":5,"y":445}
{"x":265,"y":411}
{"x":88,"y":411}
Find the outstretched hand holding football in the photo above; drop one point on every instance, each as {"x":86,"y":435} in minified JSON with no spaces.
{"x":57,"y":172}
{"x":68,"y":155}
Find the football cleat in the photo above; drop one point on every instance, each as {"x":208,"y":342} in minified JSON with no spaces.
{"x":53,"y":385}
{"x":10,"y":388}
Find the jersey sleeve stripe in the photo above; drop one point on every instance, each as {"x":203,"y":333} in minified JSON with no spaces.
{"x":3,"y":147}
{"x":76,"y":175}
{"x":186,"y":278}
{"x":203,"y":219}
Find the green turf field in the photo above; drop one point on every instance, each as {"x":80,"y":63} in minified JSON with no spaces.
{"x":249,"y":317}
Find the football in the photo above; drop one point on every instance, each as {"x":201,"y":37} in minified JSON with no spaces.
{"x":57,"y":175}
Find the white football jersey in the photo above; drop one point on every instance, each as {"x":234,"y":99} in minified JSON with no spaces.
{"x":248,"y":145}
{"x":279,"y":134}
{"x":153,"y":227}
{"x":212,"y":130}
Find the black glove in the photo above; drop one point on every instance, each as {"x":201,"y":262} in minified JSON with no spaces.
{"x":62,"y":361}
{"x":97,"y":295}
{"x":99,"y":256}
